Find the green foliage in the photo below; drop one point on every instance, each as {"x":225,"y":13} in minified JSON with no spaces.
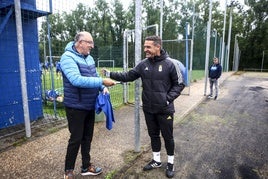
{"x":254,"y":38}
{"x":197,"y":75}
{"x":108,"y":20}
{"x":110,"y":175}
{"x":19,"y":142}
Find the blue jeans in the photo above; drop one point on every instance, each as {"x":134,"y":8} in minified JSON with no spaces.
{"x":81,"y":128}
{"x":214,"y":82}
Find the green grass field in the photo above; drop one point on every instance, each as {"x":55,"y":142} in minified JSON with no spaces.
{"x":116,"y":92}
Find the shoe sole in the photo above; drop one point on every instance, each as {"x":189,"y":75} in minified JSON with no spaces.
{"x":66,"y":177}
{"x":152,"y":168}
{"x":170,"y":175}
{"x":90,"y":173}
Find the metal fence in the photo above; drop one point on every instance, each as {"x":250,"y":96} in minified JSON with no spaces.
{"x":42,"y":57}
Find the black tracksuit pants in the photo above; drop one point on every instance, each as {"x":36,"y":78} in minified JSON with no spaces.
{"x":163,"y":123}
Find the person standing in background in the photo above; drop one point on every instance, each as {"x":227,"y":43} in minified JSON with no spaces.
{"x":82,"y":85}
{"x":214,"y":74}
{"x":58,"y":70}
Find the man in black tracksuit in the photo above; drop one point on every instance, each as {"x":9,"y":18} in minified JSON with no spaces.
{"x":162,"y":83}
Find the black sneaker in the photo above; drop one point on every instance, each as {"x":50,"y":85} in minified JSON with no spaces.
{"x":91,"y":170}
{"x":170,"y":170}
{"x":151,"y":165}
{"x":215,"y":97}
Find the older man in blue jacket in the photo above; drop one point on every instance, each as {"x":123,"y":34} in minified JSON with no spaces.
{"x":81,"y":87}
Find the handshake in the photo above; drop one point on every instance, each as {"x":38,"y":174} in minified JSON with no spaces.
{"x":107,"y":81}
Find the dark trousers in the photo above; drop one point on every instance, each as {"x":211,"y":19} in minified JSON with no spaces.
{"x":163,"y":123}
{"x":81,"y":127}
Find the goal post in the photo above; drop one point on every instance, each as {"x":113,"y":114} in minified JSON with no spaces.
{"x":106,"y":61}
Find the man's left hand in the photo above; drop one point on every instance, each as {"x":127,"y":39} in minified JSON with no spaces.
{"x":105,"y":90}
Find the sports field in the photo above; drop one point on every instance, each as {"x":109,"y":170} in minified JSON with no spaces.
{"x":116,"y":92}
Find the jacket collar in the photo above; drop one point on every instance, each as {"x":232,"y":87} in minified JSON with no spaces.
{"x":163,"y":56}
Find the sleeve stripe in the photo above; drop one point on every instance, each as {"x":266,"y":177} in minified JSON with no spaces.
{"x":180,"y":79}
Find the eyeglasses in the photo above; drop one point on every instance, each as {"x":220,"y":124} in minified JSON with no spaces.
{"x":89,"y":42}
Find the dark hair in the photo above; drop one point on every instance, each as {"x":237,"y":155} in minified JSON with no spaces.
{"x":156,"y":39}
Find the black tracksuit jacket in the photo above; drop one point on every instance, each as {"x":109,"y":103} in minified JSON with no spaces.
{"x":161,"y":83}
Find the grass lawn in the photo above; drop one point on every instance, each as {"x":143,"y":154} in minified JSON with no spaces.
{"x":116,"y":91}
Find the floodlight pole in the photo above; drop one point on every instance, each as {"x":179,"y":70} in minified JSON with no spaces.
{"x":138,"y":31}
{"x":208,"y":46}
{"x":220,"y":48}
{"x":161,"y":18}
{"x":262,"y":60}
{"x":215,"y":42}
{"x":192,"y":49}
{"x":125,"y":63}
{"x":223,"y":35}
{"x":229,"y":37}
{"x":186,"y":53}
{"x":236,"y":54}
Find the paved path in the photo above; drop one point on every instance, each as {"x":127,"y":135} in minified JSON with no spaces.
{"x":222,"y":139}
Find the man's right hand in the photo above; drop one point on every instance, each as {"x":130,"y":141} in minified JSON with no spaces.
{"x":105,"y":72}
{"x":108,"y":82}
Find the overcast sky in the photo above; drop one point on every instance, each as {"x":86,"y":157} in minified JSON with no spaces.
{"x":63,"y":5}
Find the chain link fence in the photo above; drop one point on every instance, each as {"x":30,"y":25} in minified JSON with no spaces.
{"x":43,"y":46}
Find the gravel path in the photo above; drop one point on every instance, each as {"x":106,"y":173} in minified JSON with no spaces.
{"x":43,"y":157}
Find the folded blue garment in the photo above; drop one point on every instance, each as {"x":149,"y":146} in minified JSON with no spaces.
{"x":103,"y":103}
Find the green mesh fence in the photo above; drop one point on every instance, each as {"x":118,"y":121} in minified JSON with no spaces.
{"x":58,"y":25}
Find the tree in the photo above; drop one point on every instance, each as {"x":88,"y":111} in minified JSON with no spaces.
{"x":118,"y":22}
{"x":108,"y":21}
{"x":255,"y":35}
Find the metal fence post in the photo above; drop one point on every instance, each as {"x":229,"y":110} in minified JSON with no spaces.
{"x":22,"y":69}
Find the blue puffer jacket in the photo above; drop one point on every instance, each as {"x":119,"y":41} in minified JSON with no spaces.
{"x":81,"y":81}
